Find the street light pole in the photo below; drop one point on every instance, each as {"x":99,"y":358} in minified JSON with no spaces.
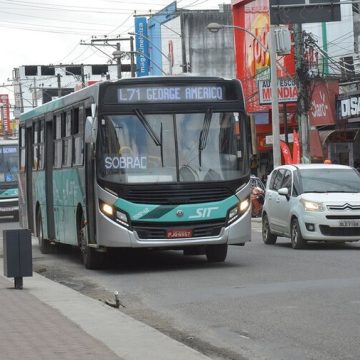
{"x":168,"y":57}
{"x":214,"y":27}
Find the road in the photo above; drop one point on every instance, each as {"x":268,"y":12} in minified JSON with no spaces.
{"x":264,"y":302}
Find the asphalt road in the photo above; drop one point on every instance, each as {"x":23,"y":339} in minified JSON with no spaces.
{"x":264,"y":302}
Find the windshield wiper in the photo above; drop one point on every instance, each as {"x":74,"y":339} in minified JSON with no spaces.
{"x":204,"y":133}
{"x":151,"y":132}
{"x":147,"y":127}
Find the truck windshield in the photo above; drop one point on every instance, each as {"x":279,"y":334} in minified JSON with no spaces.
{"x":171,"y":148}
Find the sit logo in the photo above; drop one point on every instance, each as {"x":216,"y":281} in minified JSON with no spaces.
{"x":203,"y":212}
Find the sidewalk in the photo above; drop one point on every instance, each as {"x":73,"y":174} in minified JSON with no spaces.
{"x":48,"y":321}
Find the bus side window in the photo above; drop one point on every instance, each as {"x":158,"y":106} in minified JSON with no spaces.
{"x":41,"y":154}
{"x":67,"y":139}
{"x":35,"y":130}
{"x":78,"y":156}
{"x":57,"y":142}
{"x":22,"y":148}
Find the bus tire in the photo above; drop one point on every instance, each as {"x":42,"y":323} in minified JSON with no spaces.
{"x":91,"y":258}
{"x":216,"y":253}
{"x":44,"y":244}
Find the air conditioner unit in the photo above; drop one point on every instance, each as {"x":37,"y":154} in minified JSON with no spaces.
{"x":350,"y":65}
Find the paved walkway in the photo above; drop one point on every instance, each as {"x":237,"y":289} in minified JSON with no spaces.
{"x":30,"y":329}
{"x":49,"y":321}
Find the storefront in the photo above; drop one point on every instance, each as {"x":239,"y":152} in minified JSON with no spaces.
{"x":253,"y":69}
{"x":343,"y":144}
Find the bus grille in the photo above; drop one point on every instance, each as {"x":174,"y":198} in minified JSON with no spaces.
{"x":176,"y":196}
{"x":159,"y":232}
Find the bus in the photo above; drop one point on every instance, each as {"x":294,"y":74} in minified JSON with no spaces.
{"x":9,"y":203}
{"x":153,"y":162}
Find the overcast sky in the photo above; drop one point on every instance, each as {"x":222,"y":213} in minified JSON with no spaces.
{"x":43,"y":32}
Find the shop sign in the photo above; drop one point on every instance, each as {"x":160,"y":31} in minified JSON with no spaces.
{"x":322,"y":110}
{"x":287,"y":91}
{"x":349,"y":107}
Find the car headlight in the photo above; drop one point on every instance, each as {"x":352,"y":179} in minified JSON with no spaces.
{"x":113,"y":213}
{"x":238,"y":210}
{"x":312,"y":205}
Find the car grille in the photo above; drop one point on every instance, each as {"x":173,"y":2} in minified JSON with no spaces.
{"x":339,"y":231}
{"x":343,"y":207}
{"x":159,"y":232}
{"x":343,"y":217}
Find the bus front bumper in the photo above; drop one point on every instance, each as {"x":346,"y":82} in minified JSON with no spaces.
{"x":112,"y":234}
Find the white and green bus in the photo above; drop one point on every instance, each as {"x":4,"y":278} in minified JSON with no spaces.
{"x":155,"y":162}
{"x":9,"y":204}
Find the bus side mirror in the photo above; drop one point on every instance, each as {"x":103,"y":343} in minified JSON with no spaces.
{"x":90,"y":130}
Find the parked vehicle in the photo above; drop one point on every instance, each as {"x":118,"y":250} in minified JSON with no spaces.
{"x":312,"y":202}
{"x":257,"y":196}
{"x":9,"y":201}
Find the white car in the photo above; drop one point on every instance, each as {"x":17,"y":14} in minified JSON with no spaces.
{"x":312,"y":202}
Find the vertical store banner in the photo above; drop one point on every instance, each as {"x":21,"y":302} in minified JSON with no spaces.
{"x":5,"y":113}
{"x":142,"y":46}
{"x":252,"y":60}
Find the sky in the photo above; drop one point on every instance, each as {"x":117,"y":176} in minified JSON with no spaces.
{"x":44,"y":32}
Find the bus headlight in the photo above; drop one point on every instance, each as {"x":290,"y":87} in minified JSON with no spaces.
{"x":113,"y":213}
{"x":107,"y":209}
{"x":238,"y":210}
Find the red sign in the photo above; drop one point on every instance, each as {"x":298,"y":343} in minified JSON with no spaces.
{"x":252,"y":61}
{"x":178,"y":233}
{"x":287,"y":91}
{"x":5,"y":112}
{"x":323,"y":102}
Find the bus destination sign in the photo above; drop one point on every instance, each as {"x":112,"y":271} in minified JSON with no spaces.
{"x":171,"y":94}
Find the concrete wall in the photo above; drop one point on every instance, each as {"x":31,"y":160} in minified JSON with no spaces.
{"x":207,"y":53}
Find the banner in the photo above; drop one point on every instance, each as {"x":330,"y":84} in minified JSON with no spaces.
{"x":286,"y":152}
{"x":5,"y":113}
{"x":142,"y":46}
{"x":296,"y":148}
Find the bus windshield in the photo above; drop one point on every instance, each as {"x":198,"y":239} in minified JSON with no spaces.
{"x":8,"y":164}
{"x":171,"y":148}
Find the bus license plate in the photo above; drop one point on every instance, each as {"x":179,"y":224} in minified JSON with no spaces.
{"x":349,"y":223}
{"x":178,"y":233}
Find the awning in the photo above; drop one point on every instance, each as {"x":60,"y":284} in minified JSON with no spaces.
{"x":344,"y":135}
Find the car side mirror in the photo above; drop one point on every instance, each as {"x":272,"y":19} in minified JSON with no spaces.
{"x":284,"y":192}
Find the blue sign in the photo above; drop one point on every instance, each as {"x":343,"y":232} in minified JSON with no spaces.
{"x":142,"y":46}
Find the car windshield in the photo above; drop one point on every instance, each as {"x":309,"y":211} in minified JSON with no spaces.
{"x":191,"y":147}
{"x":330,"y":180}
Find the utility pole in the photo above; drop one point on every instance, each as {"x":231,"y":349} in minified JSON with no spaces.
{"x":132,"y":57}
{"x":301,"y":72}
{"x":59,"y":84}
{"x":35,"y":103}
{"x":117,"y":54}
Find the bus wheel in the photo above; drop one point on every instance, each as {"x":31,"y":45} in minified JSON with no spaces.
{"x":216,"y":253}
{"x":91,"y":258}
{"x":44,"y":244}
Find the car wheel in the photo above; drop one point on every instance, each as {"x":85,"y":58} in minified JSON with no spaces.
{"x":268,"y":237}
{"x":297,"y":241}
{"x":216,"y":253}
